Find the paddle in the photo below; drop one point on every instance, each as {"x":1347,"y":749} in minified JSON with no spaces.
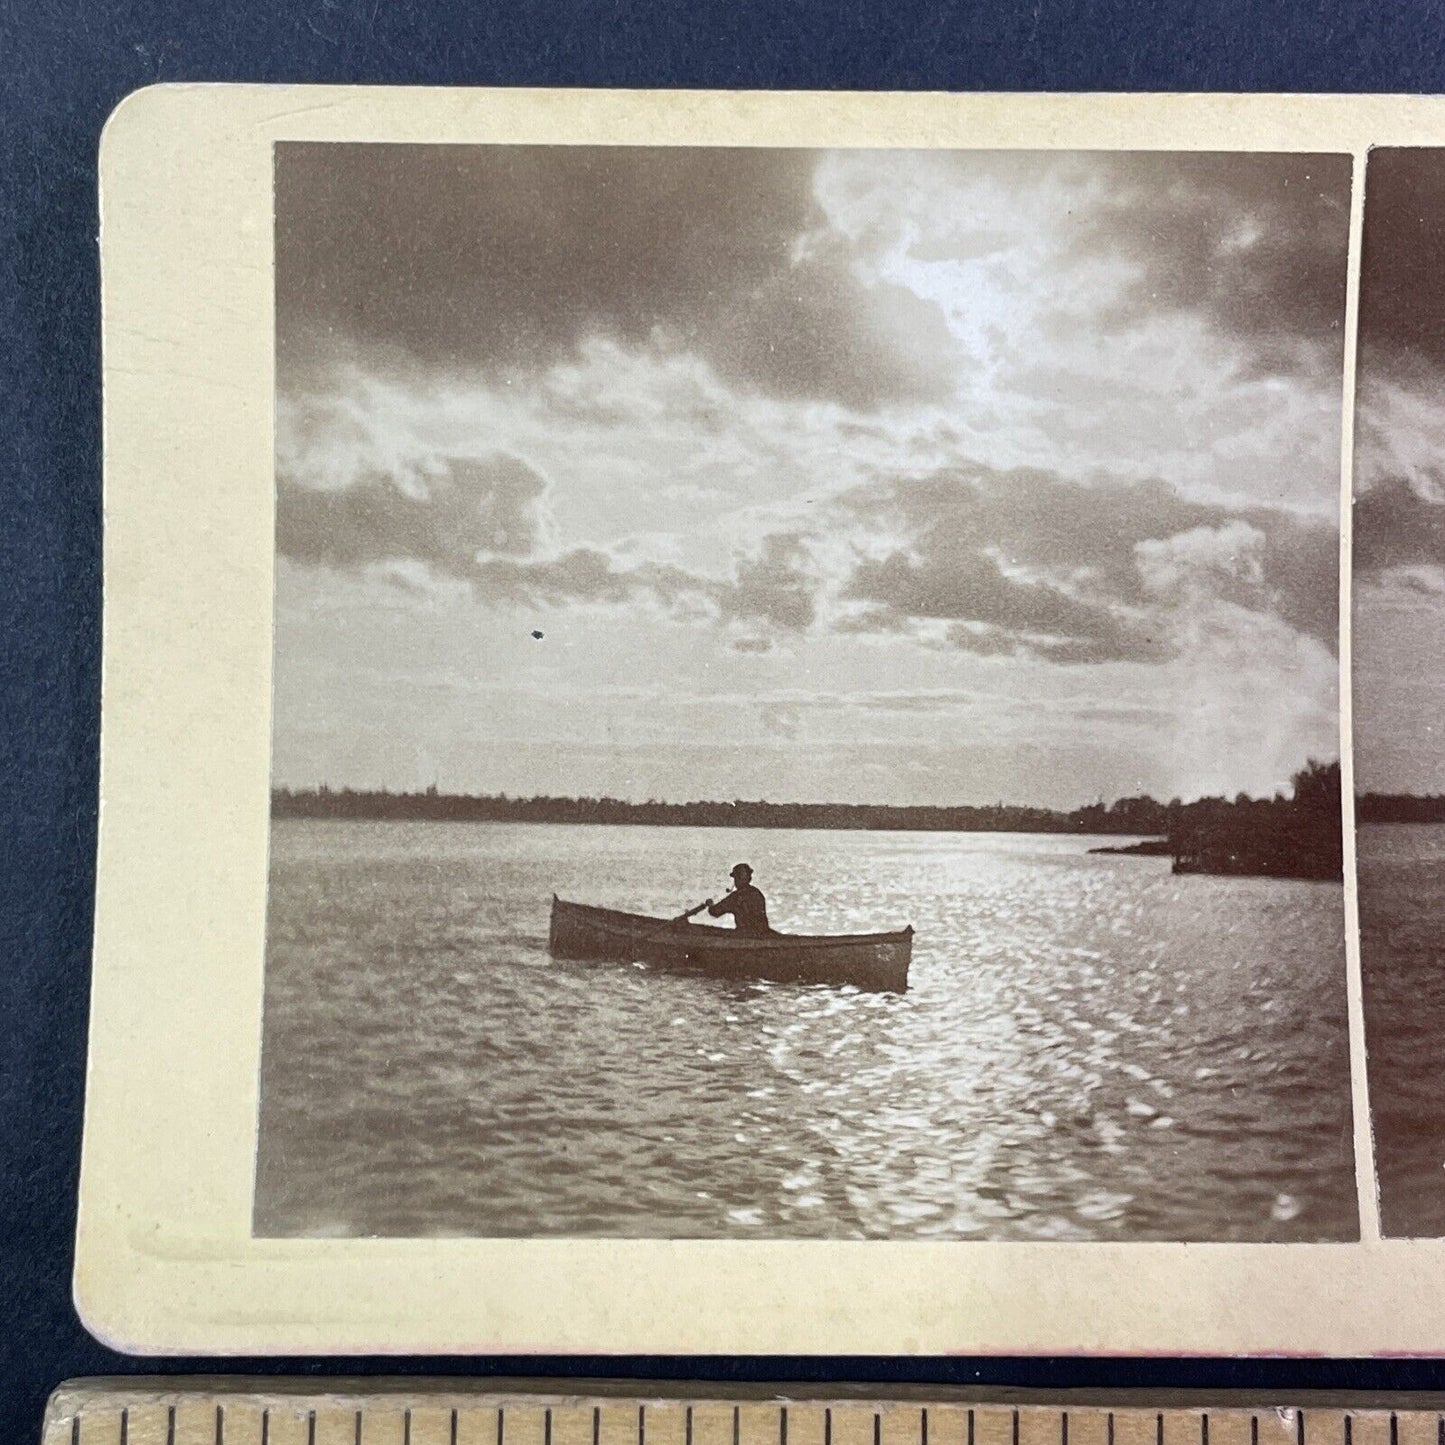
{"x":691,"y":912}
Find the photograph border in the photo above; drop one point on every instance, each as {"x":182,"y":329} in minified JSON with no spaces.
{"x":166,"y":1262}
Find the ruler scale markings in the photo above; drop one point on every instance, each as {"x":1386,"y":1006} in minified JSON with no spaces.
{"x":296,"y":1413}
{"x":1372,"y":1427}
{"x":1412,"y":1427}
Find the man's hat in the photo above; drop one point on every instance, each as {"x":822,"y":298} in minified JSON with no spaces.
{"x":740,"y":868}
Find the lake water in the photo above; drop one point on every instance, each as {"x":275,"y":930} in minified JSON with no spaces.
{"x":1402,"y":953}
{"x":1091,"y":1048}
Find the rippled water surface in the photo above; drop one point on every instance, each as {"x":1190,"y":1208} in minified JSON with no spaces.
{"x":1402,"y":951}
{"x":1091,"y":1048}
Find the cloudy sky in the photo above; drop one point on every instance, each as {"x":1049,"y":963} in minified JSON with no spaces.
{"x":880,"y":476}
{"x":1399,"y":591}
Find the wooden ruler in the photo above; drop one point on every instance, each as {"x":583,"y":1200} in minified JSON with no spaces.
{"x":254,"y":1411}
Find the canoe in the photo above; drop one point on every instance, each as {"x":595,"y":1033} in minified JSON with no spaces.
{"x":874,"y":961}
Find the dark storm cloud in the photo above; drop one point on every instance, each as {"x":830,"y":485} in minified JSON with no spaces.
{"x":470,"y":506}
{"x":1402,"y":263}
{"x":1009,"y":614}
{"x":1102,"y":563}
{"x":479,"y":520}
{"x":1400,"y":519}
{"x":505,"y":257}
{"x":776,"y":586}
{"x":1396,"y":527}
{"x":1257,"y":244}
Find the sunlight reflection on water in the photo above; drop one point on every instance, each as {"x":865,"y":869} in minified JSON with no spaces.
{"x":1402,"y":956}
{"x":1091,"y":1048}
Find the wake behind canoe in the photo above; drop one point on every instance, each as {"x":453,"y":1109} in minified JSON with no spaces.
{"x":875,"y":961}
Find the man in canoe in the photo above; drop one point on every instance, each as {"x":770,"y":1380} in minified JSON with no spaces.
{"x":746,"y":904}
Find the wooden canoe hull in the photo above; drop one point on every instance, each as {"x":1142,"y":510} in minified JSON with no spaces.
{"x":874,"y":961}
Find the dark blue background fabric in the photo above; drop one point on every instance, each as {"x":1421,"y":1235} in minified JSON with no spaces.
{"x":66,"y":63}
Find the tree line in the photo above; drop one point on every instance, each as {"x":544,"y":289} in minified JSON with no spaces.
{"x":1311,"y":805}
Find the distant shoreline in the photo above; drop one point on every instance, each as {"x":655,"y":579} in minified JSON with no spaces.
{"x":1295,"y":835}
{"x":1127,"y":819}
{"x":1400,"y":808}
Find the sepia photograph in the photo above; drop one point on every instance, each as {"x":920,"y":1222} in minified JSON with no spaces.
{"x":1398,"y":604}
{"x":805,"y":699}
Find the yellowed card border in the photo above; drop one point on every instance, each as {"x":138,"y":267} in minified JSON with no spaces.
{"x":165,"y":1259}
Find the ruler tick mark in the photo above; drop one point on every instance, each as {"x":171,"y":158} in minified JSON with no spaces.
{"x":688,"y":1440}
{"x":596,"y":1425}
{"x":828,"y":1429}
{"x":1016,"y":1427}
{"x":1254,"y":1430}
{"x":220,"y":1424}
{"x":1299,"y":1426}
{"x":641,"y":1425}
{"x":358,"y":1427}
{"x":1203,"y":1429}
{"x":1109,"y":1429}
{"x":970,"y":1428}
{"x":406,"y":1428}
{"x":923,"y":1425}
{"x":783,"y":1426}
{"x":737,"y":1424}
{"x":454,"y":1428}
{"x":877,"y":1428}
{"x":311,"y":1427}
{"x":124,"y":1426}
{"x":1064,"y":1428}
{"x":1159,"y":1430}
{"x":75,"y":1430}
{"x":547,"y":1427}
{"x":501,"y":1425}
{"x":265,"y":1426}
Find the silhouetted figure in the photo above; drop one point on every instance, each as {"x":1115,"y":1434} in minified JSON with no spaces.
{"x":746,"y":904}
